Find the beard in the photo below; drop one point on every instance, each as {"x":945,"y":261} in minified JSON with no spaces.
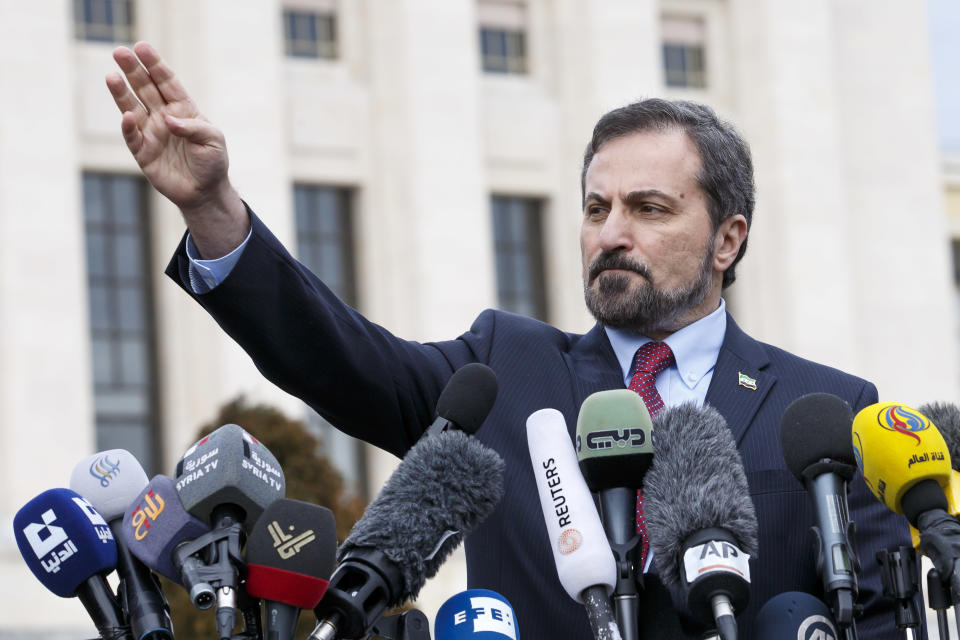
{"x":642,"y":307}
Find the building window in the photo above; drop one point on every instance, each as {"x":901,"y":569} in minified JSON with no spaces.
{"x":518,"y":246}
{"x":503,"y":37}
{"x":310,"y":34}
{"x":324,"y":229}
{"x":684,"y":52}
{"x":121,"y":316}
{"x":103,"y":20}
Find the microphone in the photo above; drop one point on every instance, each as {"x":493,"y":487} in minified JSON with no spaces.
{"x":794,"y":614}
{"x":906,"y":464}
{"x":290,"y":556}
{"x":585,"y":563}
{"x":946,"y":418}
{"x":159,"y":531}
{"x":479,"y":614}
{"x":402,"y":538}
{"x":227,"y":479}
{"x":815,"y":442}
{"x":111,"y":480}
{"x":70,"y":549}
{"x":702,"y":524}
{"x":466,"y":400}
{"x":614,"y":449}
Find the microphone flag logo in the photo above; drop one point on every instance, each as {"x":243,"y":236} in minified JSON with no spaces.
{"x":104,"y":470}
{"x":152,"y":508}
{"x":817,"y":627}
{"x":903,"y":420}
{"x":286,"y":544}
{"x":44,"y":538}
{"x":570,"y":540}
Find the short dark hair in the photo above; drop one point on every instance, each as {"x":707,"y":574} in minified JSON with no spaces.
{"x":726,"y":174}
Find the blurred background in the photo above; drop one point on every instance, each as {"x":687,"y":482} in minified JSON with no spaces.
{"x":423,"y":157}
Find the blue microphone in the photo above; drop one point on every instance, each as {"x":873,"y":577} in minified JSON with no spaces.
{"x":70,"y":549}
{"x":478,"y":614}
{"x":794,"y":614}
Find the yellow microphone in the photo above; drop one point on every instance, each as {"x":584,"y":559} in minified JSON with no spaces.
{"x":897,"y":448}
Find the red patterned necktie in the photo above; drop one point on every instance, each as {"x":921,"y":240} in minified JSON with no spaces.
{"x":651,"y":359}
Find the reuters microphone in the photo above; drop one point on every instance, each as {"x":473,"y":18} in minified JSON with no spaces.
{"x":585,"y":563}
{"x":476,"y":614}
{"x":906,"y":464}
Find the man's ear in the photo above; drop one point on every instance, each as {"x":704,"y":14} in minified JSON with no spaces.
{"x":730,"y":236}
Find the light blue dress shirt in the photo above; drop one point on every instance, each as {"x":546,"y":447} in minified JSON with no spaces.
{"x":207,"y":274}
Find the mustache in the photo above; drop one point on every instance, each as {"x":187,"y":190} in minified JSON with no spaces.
{"x":615,"y":260}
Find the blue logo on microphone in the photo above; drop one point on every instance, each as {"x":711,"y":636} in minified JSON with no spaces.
{"x":104,"y":470}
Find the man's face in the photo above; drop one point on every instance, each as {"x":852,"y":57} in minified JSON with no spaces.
{"x":647,"y":240}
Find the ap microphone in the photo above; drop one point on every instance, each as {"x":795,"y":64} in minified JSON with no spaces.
{"x":290,"y":556}
{"x":585,"y":563}
{"x":702,"y":523}
{"x":158,"y":531}
{"x":466,"y":400}
{"x":614,"y":449}
{"x":815,"y":441}
{"x":403,"y":538}
{"x":476,"y":614}
{"x":111,"y":480}
{"x":70,"y":549}
{"x":794,"y":615}
{"x":227,"y":479}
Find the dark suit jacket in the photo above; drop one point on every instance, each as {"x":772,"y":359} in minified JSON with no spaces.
{"x":384,"y":390}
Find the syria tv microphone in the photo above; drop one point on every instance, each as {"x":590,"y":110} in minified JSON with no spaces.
{"x":794,"y":615}
{"x":227,"y":479}
{"x":466,"y":400}
{"x":701,"y":521}
{"x":614,"y":450}
{"x":111,"y":480}
{"x":906,"y":464}
{"x":290,"y":555}
{"x":70,"y":549}
{"x":476,"y":614}
{"x":160,"y":532}
{"x":402,"y":539}
{"x":815,"y":442}
{"x":585,"y":564}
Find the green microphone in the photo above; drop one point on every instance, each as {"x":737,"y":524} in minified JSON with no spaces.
{"x":614,"y":450}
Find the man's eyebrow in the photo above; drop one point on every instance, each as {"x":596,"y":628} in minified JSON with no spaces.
{"x":595,"y":197}
{"x":635,"y":198}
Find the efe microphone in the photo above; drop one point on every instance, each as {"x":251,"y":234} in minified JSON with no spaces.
{"x":585,"y":564}
{"x":70,"y":549}
{"x":479,"y":614}
{"x":615,"y":449}
{"x":701,"y":521}
{"x":816,"y":447}
{"x":111,"y":480}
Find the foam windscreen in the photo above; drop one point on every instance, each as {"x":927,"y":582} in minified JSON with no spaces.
{"x":614,"y":443}
{"x":155,"y":523}
{"x":946,"y":417}
{"x":468,"y":396}
{"x":229,"y":467}
{"x":110,"y":480}
{"x":816,"y":427}
{"x":64,"y":540}
{"x":291,"y":552}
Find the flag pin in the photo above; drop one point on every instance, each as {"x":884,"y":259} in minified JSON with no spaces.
{"x":746,"y":381}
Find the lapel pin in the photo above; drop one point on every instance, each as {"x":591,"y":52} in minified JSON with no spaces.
{"x":746,"y":381}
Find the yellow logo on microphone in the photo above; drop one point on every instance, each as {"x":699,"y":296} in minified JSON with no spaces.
{"x":896,"y":446}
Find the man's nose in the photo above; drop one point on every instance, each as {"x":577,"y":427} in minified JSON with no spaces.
{"x":616,"y":232}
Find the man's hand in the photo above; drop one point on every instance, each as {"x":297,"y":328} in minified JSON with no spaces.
{"x":182,"y":155}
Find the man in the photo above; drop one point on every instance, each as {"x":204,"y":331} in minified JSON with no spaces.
{"x":667,"y":204}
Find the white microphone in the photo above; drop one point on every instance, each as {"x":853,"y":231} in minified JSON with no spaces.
{"x":585,"y":563}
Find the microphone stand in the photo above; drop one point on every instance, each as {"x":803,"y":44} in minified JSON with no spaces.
{"x":619,"y":506}
{"x":409,"y":625}
{"x":939,"y":598}
{"x":898,"y":570}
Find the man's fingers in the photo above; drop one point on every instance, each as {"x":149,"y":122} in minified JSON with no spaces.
{"x":131,"y":132}
{"x":122,"y":95}
{"x":195,"y":130}
{"x":140,"y":81}
{"x":163,"y":77}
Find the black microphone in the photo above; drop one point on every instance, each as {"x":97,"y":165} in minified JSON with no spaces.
{"x":794,"y":614}
{"x":227,"y":479}
{"x":111,"y":480}
{"x":946,"y":418}
{"x":818,"y":449}
{"x":466,"y":400}
{"x":701,"y":521}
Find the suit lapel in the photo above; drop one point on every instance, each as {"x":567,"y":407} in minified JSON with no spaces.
{"x":740,"y":382}
{"x":593,"y":367}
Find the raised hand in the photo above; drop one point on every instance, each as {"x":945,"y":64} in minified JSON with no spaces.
{"x":182,"y":154}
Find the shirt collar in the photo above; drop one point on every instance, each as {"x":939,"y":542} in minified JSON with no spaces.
{"x":695,"y":347}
